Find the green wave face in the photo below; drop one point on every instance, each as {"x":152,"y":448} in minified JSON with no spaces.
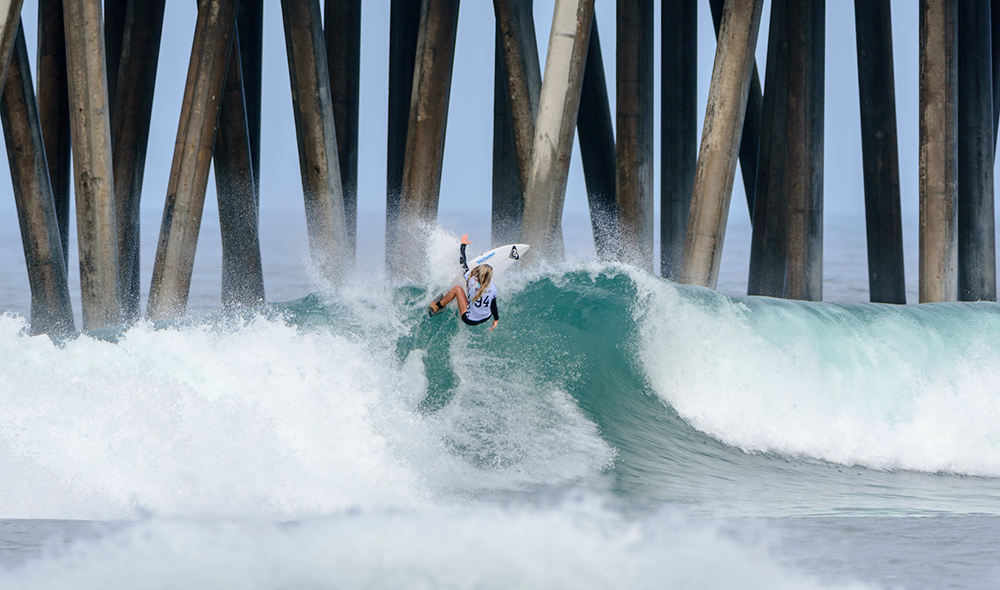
{"x":603,"y":376}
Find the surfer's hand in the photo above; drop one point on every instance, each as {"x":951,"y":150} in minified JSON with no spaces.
{"x":494,"y":325}
{"x":465,"y":239}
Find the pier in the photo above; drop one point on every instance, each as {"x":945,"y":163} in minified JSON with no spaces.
{"x":89,"y":110}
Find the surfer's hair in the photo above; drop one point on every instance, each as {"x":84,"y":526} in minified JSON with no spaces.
{"x":483,"y":274}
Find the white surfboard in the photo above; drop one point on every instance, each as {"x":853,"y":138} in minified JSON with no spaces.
{"x":500,"y":259}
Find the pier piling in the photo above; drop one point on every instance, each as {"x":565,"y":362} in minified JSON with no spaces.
{"x":51,"y":309}
{"x":713,"y":183}
{"x":425,"y":134}
{"x":207,"y":69}
{"x":342,"y":29}
{"x":976,"y":227}
{"x":634,"y":146}
{"x":596,"y":135}
{"x":938,"y":150}
{"x":678,"y":128}
{"x":558,"y":105}
{"x":90,"y":124}
{"x":130,"y":119}
{"x":242,"y":275}
{"x":880,"y":161}
{"x":53,"y":109}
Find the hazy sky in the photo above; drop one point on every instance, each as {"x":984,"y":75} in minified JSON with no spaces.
{"x":466,"y":183}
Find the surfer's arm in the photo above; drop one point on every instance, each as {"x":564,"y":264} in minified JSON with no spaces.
{"x":461,"y":257}
{"x":496,"y":314}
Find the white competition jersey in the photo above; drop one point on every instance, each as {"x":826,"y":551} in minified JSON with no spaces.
{"x":480,"y":308}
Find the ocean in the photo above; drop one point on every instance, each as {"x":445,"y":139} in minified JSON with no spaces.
{"x":616,"y":430}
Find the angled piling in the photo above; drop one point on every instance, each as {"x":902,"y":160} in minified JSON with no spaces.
{"x":51,"y":309}
{"x":720,"y":140}
{"x":130,"y":119}
{"x":242,"y":274}
{"x":508,"y":201}
{"x":319,"y":163}
{"x":53,"y":109}
{"x":207,"y":69}
{"x":250,"y":25}
{"x":425,"y":134}
{"x":558,"y":106}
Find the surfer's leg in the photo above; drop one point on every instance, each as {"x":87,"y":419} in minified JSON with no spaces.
{"x":456,"y":292}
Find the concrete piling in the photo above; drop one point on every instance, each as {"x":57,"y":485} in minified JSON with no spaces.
{"x":92,"y":170}
{"x":877,"y":89}
{"x":425,"y":134}
{"x":977,"y":279}
{"x":242,"y":274}
{"x":518,"y":91}
{"x":558,"y":105}
{"x":678,"y":128}
{"x":343,"y":51}
{"x":319,"y":163}
{"x":750,"y":139}
{"x":804,"y":175}
{"x":769,"y":241}
{"x":596,"y":135}
{"x":634,"y":146}
{"x":404,"y":21}
{"x":713,"y":184}
{"x":250,"y":25}
{"x":53,"y":109}
{"x":51,"y":309}
{"x":130,"y":119}
{"x":207,"y":69}
{"x":508,"y":197}
{"x":938,"y":150}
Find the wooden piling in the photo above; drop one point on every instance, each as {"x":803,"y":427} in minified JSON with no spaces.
{"x":634,"y":146}
{"x":558,"y":106}
{"x":938,"y":150}
{"x":425,"y":134}
{"x":404,"y":25}
{"x":804,"y":176}
{"x":769,"y":241}
{"x":207,"y":68}
{"x":678,"y":128}
{"x":51,"y":309}
{"x":713,"y":184}
{"x":518,"y":89}
{"x":596,"y":135}
{"x":242,"y":275}
{"x":250,"y":25}
{"x":92,"y":170}
{"x":750,"y":139}
{"x":130,"y":120}
{"x":977,"y":279}
{"x":319,"y":163}
{"x":53,"y":109}
{"x":877,"y":89}
{"x":508,"y":201}
{"x":343,"y":51}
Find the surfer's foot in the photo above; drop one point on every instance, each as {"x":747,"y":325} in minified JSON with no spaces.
{"x":435,"y":306}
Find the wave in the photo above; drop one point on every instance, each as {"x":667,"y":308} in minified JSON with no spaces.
{"x":598,"y":376}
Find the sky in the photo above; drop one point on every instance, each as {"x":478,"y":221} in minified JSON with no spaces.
{"x":466,"y":175}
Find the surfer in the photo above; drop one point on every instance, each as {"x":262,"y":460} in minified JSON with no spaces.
{"x":480,"y":290}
